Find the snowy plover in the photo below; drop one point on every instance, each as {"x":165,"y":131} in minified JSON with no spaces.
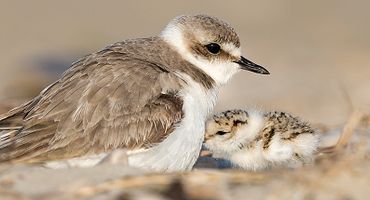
{"x":150,"y":96}
{"x":254,"y":140}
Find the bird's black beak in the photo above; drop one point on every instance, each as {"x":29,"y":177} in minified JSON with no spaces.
{"x":246,"y":64}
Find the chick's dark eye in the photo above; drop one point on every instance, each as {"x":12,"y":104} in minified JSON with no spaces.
{"x":213,"y":48}
{"x":221,"y":133}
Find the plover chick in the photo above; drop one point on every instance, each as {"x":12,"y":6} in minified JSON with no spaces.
{"x":254,"y":140}
{"x":149,"y":96}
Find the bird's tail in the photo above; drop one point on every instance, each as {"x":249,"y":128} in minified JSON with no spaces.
{"x":11,"y":124}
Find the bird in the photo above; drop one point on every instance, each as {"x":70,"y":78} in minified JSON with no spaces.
{"x":149,"y":96}
{"x":254,"y":140}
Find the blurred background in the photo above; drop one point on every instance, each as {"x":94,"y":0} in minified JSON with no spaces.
{"x":318,"y":52}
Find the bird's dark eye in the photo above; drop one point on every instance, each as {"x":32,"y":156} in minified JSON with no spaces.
{"x":213,"y":48}
{"x":221,"y":133}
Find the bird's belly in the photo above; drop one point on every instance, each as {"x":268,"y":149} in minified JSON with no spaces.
{"x":83,"y":161}
{"x":178,"y":152}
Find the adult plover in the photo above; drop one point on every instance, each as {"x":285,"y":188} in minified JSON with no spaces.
{"x":150,"y":96}
{"x":254,"y":140}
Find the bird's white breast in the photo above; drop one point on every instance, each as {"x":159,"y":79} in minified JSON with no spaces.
{"x":181,"y":148}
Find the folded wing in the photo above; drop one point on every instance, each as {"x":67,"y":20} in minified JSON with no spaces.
{"x":103,"y":102}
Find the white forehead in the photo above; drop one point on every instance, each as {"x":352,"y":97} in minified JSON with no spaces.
{"x":232,"y":49}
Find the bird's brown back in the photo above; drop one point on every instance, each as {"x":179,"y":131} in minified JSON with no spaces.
{"x":125,"y":96}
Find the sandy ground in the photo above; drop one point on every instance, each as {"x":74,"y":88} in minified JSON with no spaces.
{"x":339,"y":173}
{"x":317,"y":53}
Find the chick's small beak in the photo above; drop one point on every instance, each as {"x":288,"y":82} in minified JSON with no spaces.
{"x":246,"y":64}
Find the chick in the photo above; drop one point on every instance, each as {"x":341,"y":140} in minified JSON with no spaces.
{"x":254,"y":140}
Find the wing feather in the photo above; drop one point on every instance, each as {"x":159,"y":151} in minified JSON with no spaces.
{"x":105,"y":101}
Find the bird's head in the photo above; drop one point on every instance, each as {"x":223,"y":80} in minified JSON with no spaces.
{"x":210,"y":44}
{"x":229,"y":131}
